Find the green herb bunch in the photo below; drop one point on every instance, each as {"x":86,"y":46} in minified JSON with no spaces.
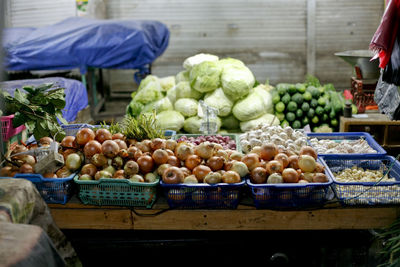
{"x":390,"y":251}
{"x":38,"y":109}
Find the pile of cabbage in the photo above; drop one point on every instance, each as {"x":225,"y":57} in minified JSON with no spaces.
{"x":224,"y":84}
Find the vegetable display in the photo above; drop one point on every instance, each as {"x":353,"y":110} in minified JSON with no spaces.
{"x":226,"y":85}
{"x":324,"y":146}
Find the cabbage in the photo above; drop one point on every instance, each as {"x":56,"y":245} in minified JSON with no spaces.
{"x":226,"y":62}
{"x":190,"y":62}
{"x":158,"y":106}
{"x":134,"y":108}
{"x":149,"y":90}
{"x":218,"y":100}
{"x":170,"y":120}
{"x":230,"y":122}
{"x":257,"y":103}
{"x":192,"y":124}
{"x":183,"y":90}
{"x":182,"y":76}
{"x":205,"y":77}
{"x":268,"y":119}
{"x":186,"y":106}
{"x":167,"y":83}
{"x":171,"y":94}
{"x":237,"y":81}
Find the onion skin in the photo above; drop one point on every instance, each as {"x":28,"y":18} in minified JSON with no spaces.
{"x":84,"y":135}
{"x":294,"y":162}
{"x":192,"y":162}
{"x":73,"y":162}
{"x":170,"y":144}
{"x":91,"y":148}
{"x":174,"y":161}
{"x":283,"y":158}
{"x":69,"y":142}
{"x":251,"y":160}
{"x":307,"y":163}
{"x":308,"y":150}
{"x":121,"y":143}
{"x":240,"y":168}
{"x":215,"y":163}
{"x":45,"y":141}
{"x":186,"y":171}
{"x":146,"y":164}
{"x":268,"y":151}
{"x":191,"y":179}
{"x":160,"y":156}
{"x":320,"y":178}
{"x":118,"y":136}
{"x":157,"y":143}
{"x":89,"y":169}
{"x":290,"y":175}
{"x":63,"y":172}
{"x":274,"y":166}
{"x":200,"y":172}
{"x":212,"y":178}
{"x":319,"y":168}
{"x":119,"y":174}
{"x":231,"y":177}
{"x":173,"y":175}
{"x":258,"y":175}
{"x":204,"y":150}
{"x":275,"y":178}
{"x":102,"y":135}
{"x":98,"y":160}
{"x":110,"y":148}
{"x":162,"y":168}
{"x":183,"y":151}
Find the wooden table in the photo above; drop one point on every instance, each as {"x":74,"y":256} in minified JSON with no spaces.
{"x":75,"y":215}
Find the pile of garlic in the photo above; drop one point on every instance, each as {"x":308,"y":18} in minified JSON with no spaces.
{"x":327,"y":146}
{"x":285,"y":138}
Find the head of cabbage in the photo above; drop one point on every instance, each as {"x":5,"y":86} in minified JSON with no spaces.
{"x":217,"y":99}
{"x":134,"y":108}
{"x":236,"y":81}
{"x":184,"y":90}
{"x":149,"y":90}
{"x":186,"y":106}
{"x":190,"y":62}
{"x":205,"y":77}
{"x":182,"y":76}
{"x":230,"y":122}
{"x":167,"y":83}
{"x":158,"y":106}
{"x":257,"y":103}
{"x":170,"y":120}
{"x":192,"y":125}
{"x":226,"y":62}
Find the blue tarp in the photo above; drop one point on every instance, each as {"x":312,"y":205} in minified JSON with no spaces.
{"x":80,"y":43}
{"x":75,"y":93}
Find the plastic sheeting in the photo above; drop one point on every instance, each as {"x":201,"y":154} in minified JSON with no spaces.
{"x":81,"y":42}
{"x":76,"y":97}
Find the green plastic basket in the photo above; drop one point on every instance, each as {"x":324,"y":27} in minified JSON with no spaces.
{"x":117,"y":192}
{"x":231,"y":135}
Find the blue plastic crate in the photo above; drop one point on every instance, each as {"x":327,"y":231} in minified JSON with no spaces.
{"x":366,"y":193}
{"x":340,"y":136}
{"x":52,"y":190}
{"x":203,"y":196}
{"x":288,"y":195}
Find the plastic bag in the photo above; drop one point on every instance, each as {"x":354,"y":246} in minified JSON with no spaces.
{"x":387,"y":97}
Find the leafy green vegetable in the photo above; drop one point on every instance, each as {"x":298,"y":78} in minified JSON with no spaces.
{"x":237,"y":81}
{"x":217,"y":99}
{"x":182,"y":76}
{"x":183,"y":90}
{"x":230,"y":122}
{"x":158,"y":106}
{"x":186,"y":106}
{"x":254,"y":105}
{"x":192,"y":61}
{"x":170,"y":120}
{"x":205,"y":77}
{"x":149,"y":90}
{"x":167,"y":83}
{"x":38,"y":109}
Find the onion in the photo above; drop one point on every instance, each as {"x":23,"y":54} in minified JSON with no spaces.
{"x":319,"y":168}
{"x":63,"y":172}
{"x":162,"y":168}
{"x":110,"y":148}
{"x":26,"y":168}
{"x":274,"y":166}
{"x":138,"y":154}
{"x":45,"y":141}
{"x":160,"y":156}
{"x":120,"y":174}
{"x":192,"y":162}
{"x":131,"y":168}
{"x":83,"y":136}
{"x":240,"y":168}
{"x":215,"y":163}
{"x":145,"y":164}
{"x":231,"y":177}
{"x":69,"y":142}
{"x":29,"y":159}
{"x":320,"y":178}
{"x":275,"y":178}
{"x":283,"y":158}
{"x":147,"y":145}
{"x":89,"y":169}
{"x":258,"y":175}
{"x":303,"y":181}
{"x":228,"y":165}
{"x":117,"y":162}
{"x":91,"y":148}
{"x":49,"y":175}
{"x":236,"y":156}
{"x":123,"y":153}
{"x":308,"y":176}
{"x":73,"y":162}
{"x":6,"y":171}
{"x":16,"y":150}
{"x":268,"y":151}
{"x":191,"y":179}
{"x":173,"y":161}
{"x":150,"y":178}
{"x":86,"y":177}
{"x":200,"y":172}
{"x":102,"y":135}
{"x":170,"y":144}
{"x":110,"y":169}
{"x":137,"y":178}
{"x":307,"y":163}
{"x":186,"y":171}
{"x":204,"y":150}
{"x":157,"y":143}
{"x":290,"y":175}
{"x":183,"y":151}
{"x":102,"y":174}
{"x":222,"y":153}
{"x":251,"y":160}
{"x":121,"y":143}
{"x":213,"y":178}
{"x":131,"y":151}
{"x":257,"y":150}
{"x":99,"y":160}
{"x":308,"y":150}
{"x":173,"y":175}
{"x":294,"y":162}
{"x":170,"y":152}
{"x":118,"y":136}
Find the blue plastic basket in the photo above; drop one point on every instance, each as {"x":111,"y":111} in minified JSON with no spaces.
{"x":288,"y":195}
{"x":366,"y":193}
{"x":52,"y":190}
{"x":203,"y":196}
{"x":340,"y":136}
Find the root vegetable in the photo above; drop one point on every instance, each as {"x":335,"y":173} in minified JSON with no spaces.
{"x":251,"y":160}
{"x":191,"y":179}
{"x":231,"y":177}
{"x":137,"y":178}
{"x":204,"y":150}
{"x":146,"y":164}
{"x":91,"y":148}
{"x":131,"y":168}
{"x":274,"y":166}
{"x":258,"y":175}
{"x":160,"y":156}
{"x":283,"y":158}
{"x":173,"y":175}
{"x":150,"y":177}
{"x":215,"y":163}
{"x":89,"y":169}
{"x":157,"y":143}
{"x":268,"y":151}
{"x":183,"y":151}
{"x":192,"y":161}
{"x":102,"y":135}
{"x":320,"y":178}
{"x":290,"y":175}
{"x":26,"y":168}
{"x":212,"y":178}
{"x":73,"y":162}
{"x":170,"y":144}
{"x":294,"y":162}
{"x":110,"y":148}
{"x":308,"y":150}
{"x":173,"y":161}
{"x":307,"y":163}
{"x":200,"y":172}
{"x":275,"y":178}
{"x":102,"y":174}
{"x":240,"y":168}
{"x":83,"y":136}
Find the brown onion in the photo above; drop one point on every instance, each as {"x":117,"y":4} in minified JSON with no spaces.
{"x":83,"y":136}
{"x":192,"y":161}
{"x":173,"y":175}
{"x":157,"y":143}
{"x":118,"y":136}
{"x":186,"y":171}
{"x":110,"y":148}
{"x":183,"y":151}
{"x":102,"y":135}
{"x":251,"y":160}
{"x":258,"y":175}
{"x":131,"y":151}
{"x":319,"y":168}
{"x":99,"y":160}
{"x":215,"y":163}
{"x":49,"y":175}
{"x":146,"y":164}
{"x":294,"y":162}
{"x":170,"y":152}
{"x":320,"y":178}
{"x":160,"y":156}
{"x":26,"y":168}
{"x":307,"y":163}
{"x":308,"y":150}
{"x":143,"y":146}
{"x":45,"y":141}
{"x":231,"y":177}
{"x":283,"y":158}
{"x":268,"y":152}
{"x":290,"y":175}
{"x":91,"y":148}
{"x":205,"y":150}
{"x":120,"y":174}
{"x":200,"y":172}
{"x":121,"y":143}
{"x":89,"y":169}
{"x":131,"y":168}
{"x":162,"y":168}
{"x":274,"y":166}
{"x":174,"y":161}
{"x":170,"y":144}
{"x":69,"y":142}
{"x":63,"y":172}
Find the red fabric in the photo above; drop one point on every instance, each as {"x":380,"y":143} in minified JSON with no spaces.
{"x":347,"y":95}
{"x":383,"y":40}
